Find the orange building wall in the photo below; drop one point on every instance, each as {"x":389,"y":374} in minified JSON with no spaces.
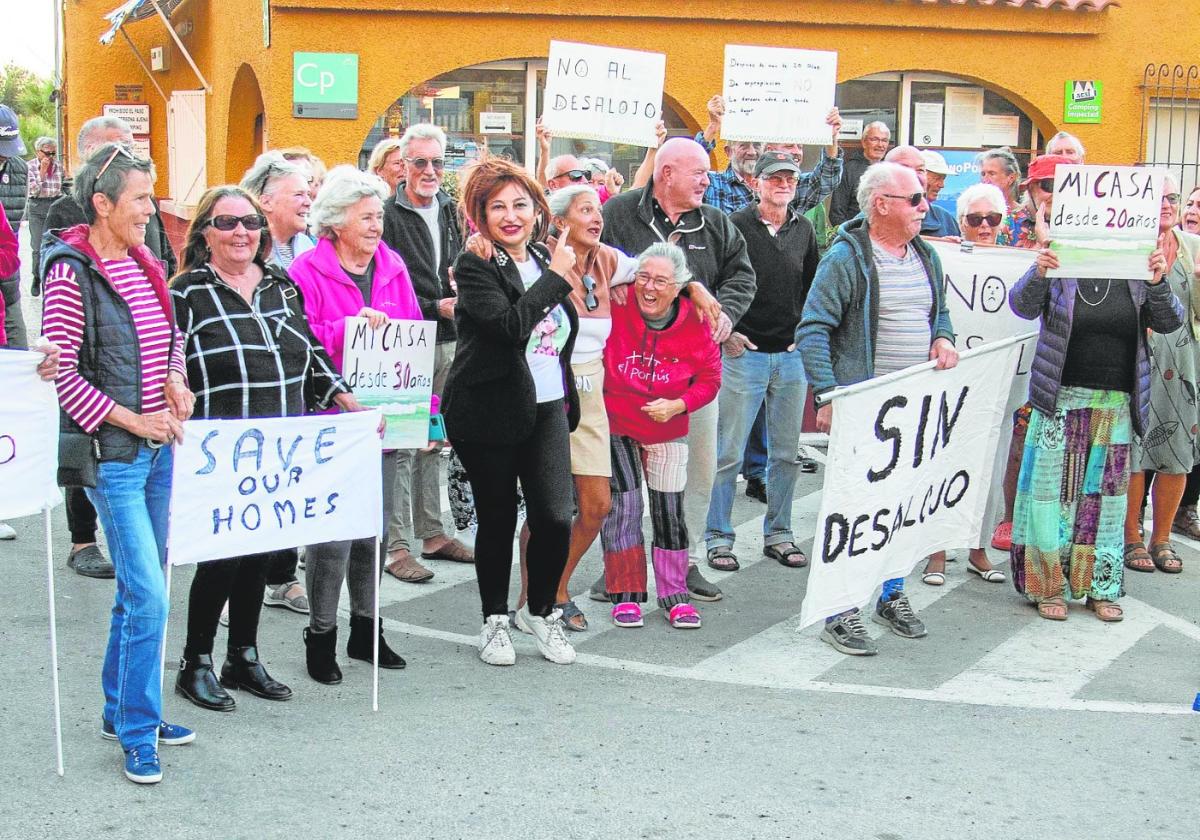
{"x":1023,"y":54}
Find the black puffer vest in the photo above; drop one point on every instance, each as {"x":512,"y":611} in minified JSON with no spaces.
{"x":14,"y":184}
{"x":109,"y":357}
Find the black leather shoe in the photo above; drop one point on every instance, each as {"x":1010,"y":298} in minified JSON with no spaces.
{"x":320,"y":654}
{"x":755,"y":489}
{"x":243,"y":670}
{"x":362,"y":643}
{"x":197,"y":682}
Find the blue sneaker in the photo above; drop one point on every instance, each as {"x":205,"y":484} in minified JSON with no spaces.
{"x":141,"y":765}
{"x":169,"y":734}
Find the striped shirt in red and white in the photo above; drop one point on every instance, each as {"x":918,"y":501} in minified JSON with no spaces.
{"x":62,"y":323}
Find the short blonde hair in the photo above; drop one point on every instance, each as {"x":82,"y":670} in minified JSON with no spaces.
{"x":382,"y":151}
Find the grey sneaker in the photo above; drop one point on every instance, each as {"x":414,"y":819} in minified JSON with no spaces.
{"x":701,"y":589}
{"x":898,"y":614}
{"x":848,"y":634}
{"x":599,"y":590}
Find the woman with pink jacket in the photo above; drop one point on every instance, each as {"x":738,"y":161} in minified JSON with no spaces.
{"x":350,"y":273}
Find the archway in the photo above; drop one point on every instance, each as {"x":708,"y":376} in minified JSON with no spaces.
{"x":245,"y":135}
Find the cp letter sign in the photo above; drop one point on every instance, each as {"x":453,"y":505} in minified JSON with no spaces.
{"x":325,"y":85}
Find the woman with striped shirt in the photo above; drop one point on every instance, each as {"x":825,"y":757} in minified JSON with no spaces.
{"x":122,"y":382}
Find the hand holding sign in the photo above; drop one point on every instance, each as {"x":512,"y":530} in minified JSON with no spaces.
{"x":375,"y":318}
{"x":778,"y":95}
{"x":603,"y":93}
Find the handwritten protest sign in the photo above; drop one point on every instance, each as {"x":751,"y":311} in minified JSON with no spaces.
{"x":910,"y":461}
{"x":28,"y":437}
{"x":391,"y":369}
{"x":1104,"y":222}
{"x":603,"y":93}
{"x":249,"y":486}
{"x":775,"y":95}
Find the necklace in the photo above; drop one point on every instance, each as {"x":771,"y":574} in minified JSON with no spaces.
{"x":1096,"y":290}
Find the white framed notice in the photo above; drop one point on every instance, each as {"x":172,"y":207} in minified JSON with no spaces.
{"x":927,"y":124}
{"x":1000,"y":129}
{"x":775,"y":95}
{"x":964,"y":117}
{"x":603,"y":93}
{"x":495,"y":122}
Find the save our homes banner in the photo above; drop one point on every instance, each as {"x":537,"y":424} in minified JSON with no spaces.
{"x":248,"y":486}
{"x":603,"y":93}
{"x":391,"y":369}
{"x":910,"y":462}
{"x":1104,"y":221}
{"x":28,"y":436}
{"x":776,"y":95}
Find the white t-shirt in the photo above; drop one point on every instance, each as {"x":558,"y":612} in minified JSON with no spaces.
{"x":546,"y":342}
{"x":430,"y":215}
{"x":590,"y":340}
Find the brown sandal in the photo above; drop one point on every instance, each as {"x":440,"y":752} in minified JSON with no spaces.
{"x":1165,"y":558}
{"x":403,"y":566}
{"x":1187,"y":522}
{"x":1106,"y":610}
{"x":1049,"y":609}
{"x":1137,"y":558}
{"x":451,"y":550}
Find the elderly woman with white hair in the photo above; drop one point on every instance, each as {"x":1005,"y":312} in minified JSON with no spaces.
{"x":981,"y":210}
{"x":660,"y":365}
{"x":281,"y":187}
{"x":351,"y":272}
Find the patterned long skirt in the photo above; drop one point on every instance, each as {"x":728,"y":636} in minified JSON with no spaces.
{"x":1069,"y":518}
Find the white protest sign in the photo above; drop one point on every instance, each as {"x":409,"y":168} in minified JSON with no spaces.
{"x":248,"y":486}
{"x":910,"y":463}
{"x":391,"y":369}
{"x":1104,"y":223}
{"x":603,"y":93}
{"x":28,"y":437}
{"x":775,"y":95}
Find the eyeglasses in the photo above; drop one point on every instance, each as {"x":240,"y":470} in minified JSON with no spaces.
{"x":590,"y":300}
{"x":421,"y":163}
{"x":227,"y":223}
{"x":577,"y":175}
{"x":913,"y":200}
{"x":644,"y":279}
{"x":46,"y":153}
{"x":1172,"y":199}
{"x":976,"y":219}
{"x":118,"y":149}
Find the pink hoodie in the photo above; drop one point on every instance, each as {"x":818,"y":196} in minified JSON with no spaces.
{"x":330,"y":296}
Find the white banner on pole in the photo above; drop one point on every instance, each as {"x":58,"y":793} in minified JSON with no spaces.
{"x":910,"y":462}
{"x":28,"y":437}
{"x":391,"y":369}
{"x":1104,"y":223}
{"x":603,"y":93}
{"x":263,"y":484}
{"x":776,"y":95}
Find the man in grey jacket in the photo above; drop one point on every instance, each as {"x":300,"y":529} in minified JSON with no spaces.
{"x":670,"y":208}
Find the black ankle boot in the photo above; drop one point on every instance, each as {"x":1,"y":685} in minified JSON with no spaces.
{"x":362,"y":644}
{"x":320,"y":652}
{"x":197,"y":682}
{"x":243,"y":670}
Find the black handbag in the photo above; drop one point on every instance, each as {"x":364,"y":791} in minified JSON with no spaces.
{"x":78,"y":459}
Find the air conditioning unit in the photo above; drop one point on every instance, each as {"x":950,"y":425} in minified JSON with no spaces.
{"x":160,"y":59}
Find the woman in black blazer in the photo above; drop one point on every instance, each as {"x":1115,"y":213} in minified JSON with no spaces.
{"x":510,"y":401}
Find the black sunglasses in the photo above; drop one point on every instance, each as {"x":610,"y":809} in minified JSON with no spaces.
{"x":420,"y":163}
{"x":976,"y":219}
{"x":578,"y":175}
{"x":1046,"y":184}
{"x":589,"y":300}
{"x":227,"y":223}
{"x":913,"y":200}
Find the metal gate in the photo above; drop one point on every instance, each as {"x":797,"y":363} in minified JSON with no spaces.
{"x":1171,"y":120}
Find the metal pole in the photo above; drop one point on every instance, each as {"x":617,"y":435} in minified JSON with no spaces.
{"x":53,"y":642}
{"x":174,"y":37}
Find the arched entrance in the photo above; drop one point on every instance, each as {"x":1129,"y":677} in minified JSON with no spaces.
{"x":245,"y":134}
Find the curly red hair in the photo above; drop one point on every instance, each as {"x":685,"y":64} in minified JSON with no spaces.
{"x":488,"y":177}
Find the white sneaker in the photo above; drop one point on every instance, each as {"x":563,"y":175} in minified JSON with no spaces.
{"x":495,"y":645}
{"x":549,"y":634}
{"x":7,"y":532}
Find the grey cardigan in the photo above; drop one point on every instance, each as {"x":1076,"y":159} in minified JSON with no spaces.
{"x":1053,"y":300}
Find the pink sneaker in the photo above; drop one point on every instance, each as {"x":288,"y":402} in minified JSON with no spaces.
{"x":1002,"y":537}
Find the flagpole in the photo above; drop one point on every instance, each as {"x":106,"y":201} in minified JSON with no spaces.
{"x":53,"y":642}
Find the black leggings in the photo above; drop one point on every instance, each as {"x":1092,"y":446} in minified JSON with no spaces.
{"x":282,"y":567}
{"x":542,"y":463}
{"x":81,"y":516}
{"x":239,"y":580}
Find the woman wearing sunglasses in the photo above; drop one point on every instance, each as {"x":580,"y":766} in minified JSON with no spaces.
{"x":981,"y":211}
{"x":351,"y":272}
{"x":251,"y":354}
{"x":123,"y":389}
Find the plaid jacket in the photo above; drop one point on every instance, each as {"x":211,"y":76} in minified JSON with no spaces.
{"x":730,"y":193}
{"x":48,"y":187}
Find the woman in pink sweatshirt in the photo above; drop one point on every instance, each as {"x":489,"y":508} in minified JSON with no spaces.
{"x":660,"y":364}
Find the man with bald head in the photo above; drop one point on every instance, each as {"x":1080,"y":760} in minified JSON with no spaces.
{"x":843,"y":204}
{"x":877,"y":305}
{"x":938,"y":221}
{"x":670,"y":208}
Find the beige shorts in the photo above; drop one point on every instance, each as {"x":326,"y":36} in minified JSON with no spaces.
{"x":589,"y":442}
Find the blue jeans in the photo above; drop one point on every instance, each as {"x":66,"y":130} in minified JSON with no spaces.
{"x":754,"y":462}
{"x":745,"y":382}
{"x":133,"y":503}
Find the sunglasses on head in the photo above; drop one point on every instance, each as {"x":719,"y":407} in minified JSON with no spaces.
{"x":118,"y":149}
{"x":589,"y":300}
{"x":913,"y":200}
{"x":976,"y":219}
{"x":420,"y":163}
{"x":227,"y":223}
